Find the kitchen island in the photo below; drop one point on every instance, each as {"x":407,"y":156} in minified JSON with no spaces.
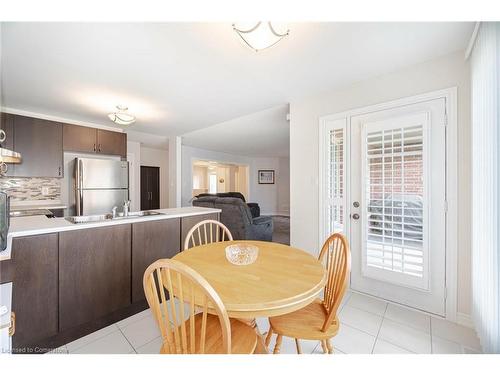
{"x":69,"y":280}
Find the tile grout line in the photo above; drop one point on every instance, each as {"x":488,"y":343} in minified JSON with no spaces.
{"x":379,"y":328}
{"x":132,"y":346}
{"x":94,"y":340}
{"x":149,"y":342}
{"x":411,"y":327}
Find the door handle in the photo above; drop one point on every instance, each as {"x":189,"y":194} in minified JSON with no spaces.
{"x":12,"y":328}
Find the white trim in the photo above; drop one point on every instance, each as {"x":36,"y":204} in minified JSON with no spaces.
{"x":59,"y":119}
{"x":465,"y":320}
{"x":346,"y":156}
{"x":450,"y":95}
{"x":472,"y":40}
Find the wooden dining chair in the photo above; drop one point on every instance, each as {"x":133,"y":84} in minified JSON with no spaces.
{"x":318,"y":321}
{"x":207,"y":231}
{"x":190,"y":315}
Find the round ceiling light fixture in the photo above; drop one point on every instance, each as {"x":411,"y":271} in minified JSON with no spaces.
{"x":121,"y":116}
{"x":261,"y":35}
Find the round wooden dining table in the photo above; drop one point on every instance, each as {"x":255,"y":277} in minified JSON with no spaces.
{"x":282,"y":279}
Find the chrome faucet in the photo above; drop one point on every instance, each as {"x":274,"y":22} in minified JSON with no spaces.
{"x":126,"y":207}
{"x":114,"y":211}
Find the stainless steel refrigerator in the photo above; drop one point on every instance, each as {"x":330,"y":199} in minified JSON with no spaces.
{"x":100,"y":184}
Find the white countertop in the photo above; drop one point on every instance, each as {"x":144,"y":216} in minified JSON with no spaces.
{"x":33,"y":225}
{"x":20,"y":206}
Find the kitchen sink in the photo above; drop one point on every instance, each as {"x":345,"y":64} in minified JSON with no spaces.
{"x":88,"y":219}
{"x":139,"y":213}
{"x":106,"y":217}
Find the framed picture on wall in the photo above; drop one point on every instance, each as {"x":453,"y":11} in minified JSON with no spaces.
{"x":266,"y":176}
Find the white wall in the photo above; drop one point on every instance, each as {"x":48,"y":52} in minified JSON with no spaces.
{"x":263,"y":194}
{"x":134,"y":159}
{"x":284,"y":186}
{"x":441,"y":73}
{"x":158,"y":158}
{"x":174,"y":171}
{"x":266,"y":195}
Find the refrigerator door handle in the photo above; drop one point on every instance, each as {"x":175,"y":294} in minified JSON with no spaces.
{"x":79,"y":191}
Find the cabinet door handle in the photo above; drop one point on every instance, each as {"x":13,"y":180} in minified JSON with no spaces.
{"x":12,"y":328}
{"x":99,"y":147}
{"x":95,"y":148}
{"x":59,"y":171}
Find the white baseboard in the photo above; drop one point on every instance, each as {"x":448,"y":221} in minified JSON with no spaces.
{"x":465,"y":320}
{"x":274,"y":214}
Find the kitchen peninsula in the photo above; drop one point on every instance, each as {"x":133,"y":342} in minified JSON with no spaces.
{"x":69,"y":280}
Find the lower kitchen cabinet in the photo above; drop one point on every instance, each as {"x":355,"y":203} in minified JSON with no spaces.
{"x":188,"y":222}
{"x":151,"y":241}
{"x":33,"y":268}
{"x":94,"y":273}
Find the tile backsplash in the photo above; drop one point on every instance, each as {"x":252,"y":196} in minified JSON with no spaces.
{"x":30,"y":189}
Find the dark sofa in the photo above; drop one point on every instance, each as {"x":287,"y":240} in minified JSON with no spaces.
{"x":254,"y":207}
{"x":237,"y":218}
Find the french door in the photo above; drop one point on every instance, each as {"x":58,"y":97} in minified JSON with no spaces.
{"x":384,"y":186}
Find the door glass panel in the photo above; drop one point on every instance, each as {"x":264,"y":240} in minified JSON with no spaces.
{"x":394,"y":198}
{"x":336,"y":180}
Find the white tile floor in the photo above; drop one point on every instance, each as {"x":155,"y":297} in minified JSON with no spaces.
{"x":368,"y":325}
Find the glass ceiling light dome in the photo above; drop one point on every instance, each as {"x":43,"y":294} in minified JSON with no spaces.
{"x":261,"y":35}
{"x":122,"y":117}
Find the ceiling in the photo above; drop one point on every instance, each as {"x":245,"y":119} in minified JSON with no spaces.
{"x":264,"y":133}
{"x":181,"y":77}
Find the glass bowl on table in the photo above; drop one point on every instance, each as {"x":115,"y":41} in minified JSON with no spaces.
{"x":242,"y":254}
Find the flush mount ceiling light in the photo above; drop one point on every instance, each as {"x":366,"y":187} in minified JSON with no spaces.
{"x":122,"y":117}
{"x":261,"y":35}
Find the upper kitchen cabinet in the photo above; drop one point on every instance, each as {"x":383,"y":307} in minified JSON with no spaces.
{"x":40,"y":144}
{"x":111,"y":143}
{"x":7,"y":125}
{"x":84,"y":139}
{"x":79,"y":138}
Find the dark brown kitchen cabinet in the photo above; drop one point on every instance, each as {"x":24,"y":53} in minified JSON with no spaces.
{"x":40,"y":144}
{"x":151,"y":241}
{"x":112,"y":143}
{"x":33,"y":272}
{"x":188,"y":222}
{"x":79,"y":138}
{"x":150,"y":188}
{"x":85,"y":139}
{"x":94,"y":273}
{"x":7,"y":125}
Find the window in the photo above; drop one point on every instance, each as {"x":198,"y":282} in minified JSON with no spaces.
{"x":394,"y":192}
{"x":212,"y":184}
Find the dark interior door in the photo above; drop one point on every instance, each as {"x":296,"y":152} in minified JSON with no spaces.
{"x":150,"y":188}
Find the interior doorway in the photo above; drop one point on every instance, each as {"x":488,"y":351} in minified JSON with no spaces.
{"x":214,"y":177}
